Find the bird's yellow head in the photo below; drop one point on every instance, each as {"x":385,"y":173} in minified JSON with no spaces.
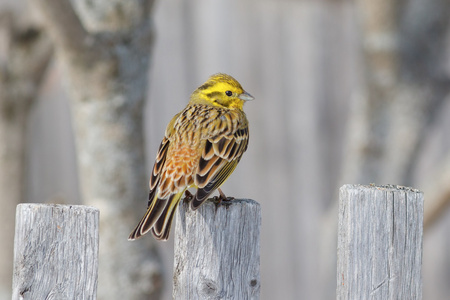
{"x":221,"y":90}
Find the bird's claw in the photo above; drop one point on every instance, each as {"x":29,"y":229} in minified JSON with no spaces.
{"x":188,"y":196}
{"x":222,"y":197}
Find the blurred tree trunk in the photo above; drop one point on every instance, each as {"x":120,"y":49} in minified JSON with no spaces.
{"x":24,"y":57}
{"x":405,"y":85}
{"x":104,"y":47}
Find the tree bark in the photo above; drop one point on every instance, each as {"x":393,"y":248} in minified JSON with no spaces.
{"x":104,"y":47}
{"x":24,"y":58}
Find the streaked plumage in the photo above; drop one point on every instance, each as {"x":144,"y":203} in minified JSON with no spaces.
{"x":201,"y":148}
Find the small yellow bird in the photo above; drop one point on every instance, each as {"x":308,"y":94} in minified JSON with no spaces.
{"x":201,"y":148}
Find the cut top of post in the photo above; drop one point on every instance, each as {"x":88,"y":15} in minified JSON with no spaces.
{"x":380,"y":187}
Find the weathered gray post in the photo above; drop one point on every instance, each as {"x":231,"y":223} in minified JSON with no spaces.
{"x":379,"y":242}
{"x":217,"y":251}
{"x":55,"y":252}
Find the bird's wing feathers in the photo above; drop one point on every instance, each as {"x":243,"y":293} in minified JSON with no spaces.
{"x":155,"y":206}
{"x":155,"y":177}
{"x":219,"y":159}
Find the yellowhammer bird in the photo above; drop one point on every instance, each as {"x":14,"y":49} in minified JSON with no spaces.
{"x":201,"y":148}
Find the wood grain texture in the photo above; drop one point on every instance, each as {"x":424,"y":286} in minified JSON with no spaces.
{"x":380,"y":242}
{"x":217,"y":250}
{"x":55,"y":252}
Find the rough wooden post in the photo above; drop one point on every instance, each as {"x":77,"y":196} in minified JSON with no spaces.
{"x":217,"y":251}
{"x":379,"y":242}
{"x":55,"y":252}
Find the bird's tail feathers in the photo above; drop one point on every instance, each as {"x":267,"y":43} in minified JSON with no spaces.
{"x":161,"y":228}
{"x":154,"y":211}
{"x":158,"y":218}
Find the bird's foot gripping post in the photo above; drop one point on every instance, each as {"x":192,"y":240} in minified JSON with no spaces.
{"x":218,"y":199}
{"x":217,"y":250}
{"x":188,"y":196}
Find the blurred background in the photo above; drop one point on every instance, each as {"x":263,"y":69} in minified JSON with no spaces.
{"x":346,"y":92}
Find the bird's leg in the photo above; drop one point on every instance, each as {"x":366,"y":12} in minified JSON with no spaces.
{"x":222,"y":196}
{"x":218,"y":199}
{"x":188,"y":196}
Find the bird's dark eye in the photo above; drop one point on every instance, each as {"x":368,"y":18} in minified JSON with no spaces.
{"x":228,"y":93}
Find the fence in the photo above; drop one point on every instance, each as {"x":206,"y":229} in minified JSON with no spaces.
{"x":217,"y":248}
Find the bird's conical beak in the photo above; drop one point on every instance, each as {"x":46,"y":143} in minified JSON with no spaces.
{"x":246,"y":96}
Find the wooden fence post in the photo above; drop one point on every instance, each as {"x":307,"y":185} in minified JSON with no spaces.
{"x":55,"y":252}
{"x":379,"y":242}
{"x":217,"y":251}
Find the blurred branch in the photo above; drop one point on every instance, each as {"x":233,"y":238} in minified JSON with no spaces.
{"x":380,"y":43}
{"x":25,"y":57}
{"x":368,"y":126}
{"x":64,"y":25}
{"x":100,"y":26}
{"x":425,"y":81}
{"x":437,"y":196}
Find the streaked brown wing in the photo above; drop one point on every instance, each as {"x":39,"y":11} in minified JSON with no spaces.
{"x":155,"y":206}
{"x":157,"y":167}
{"x":219,"y":159}
{"x":160,"y":160}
